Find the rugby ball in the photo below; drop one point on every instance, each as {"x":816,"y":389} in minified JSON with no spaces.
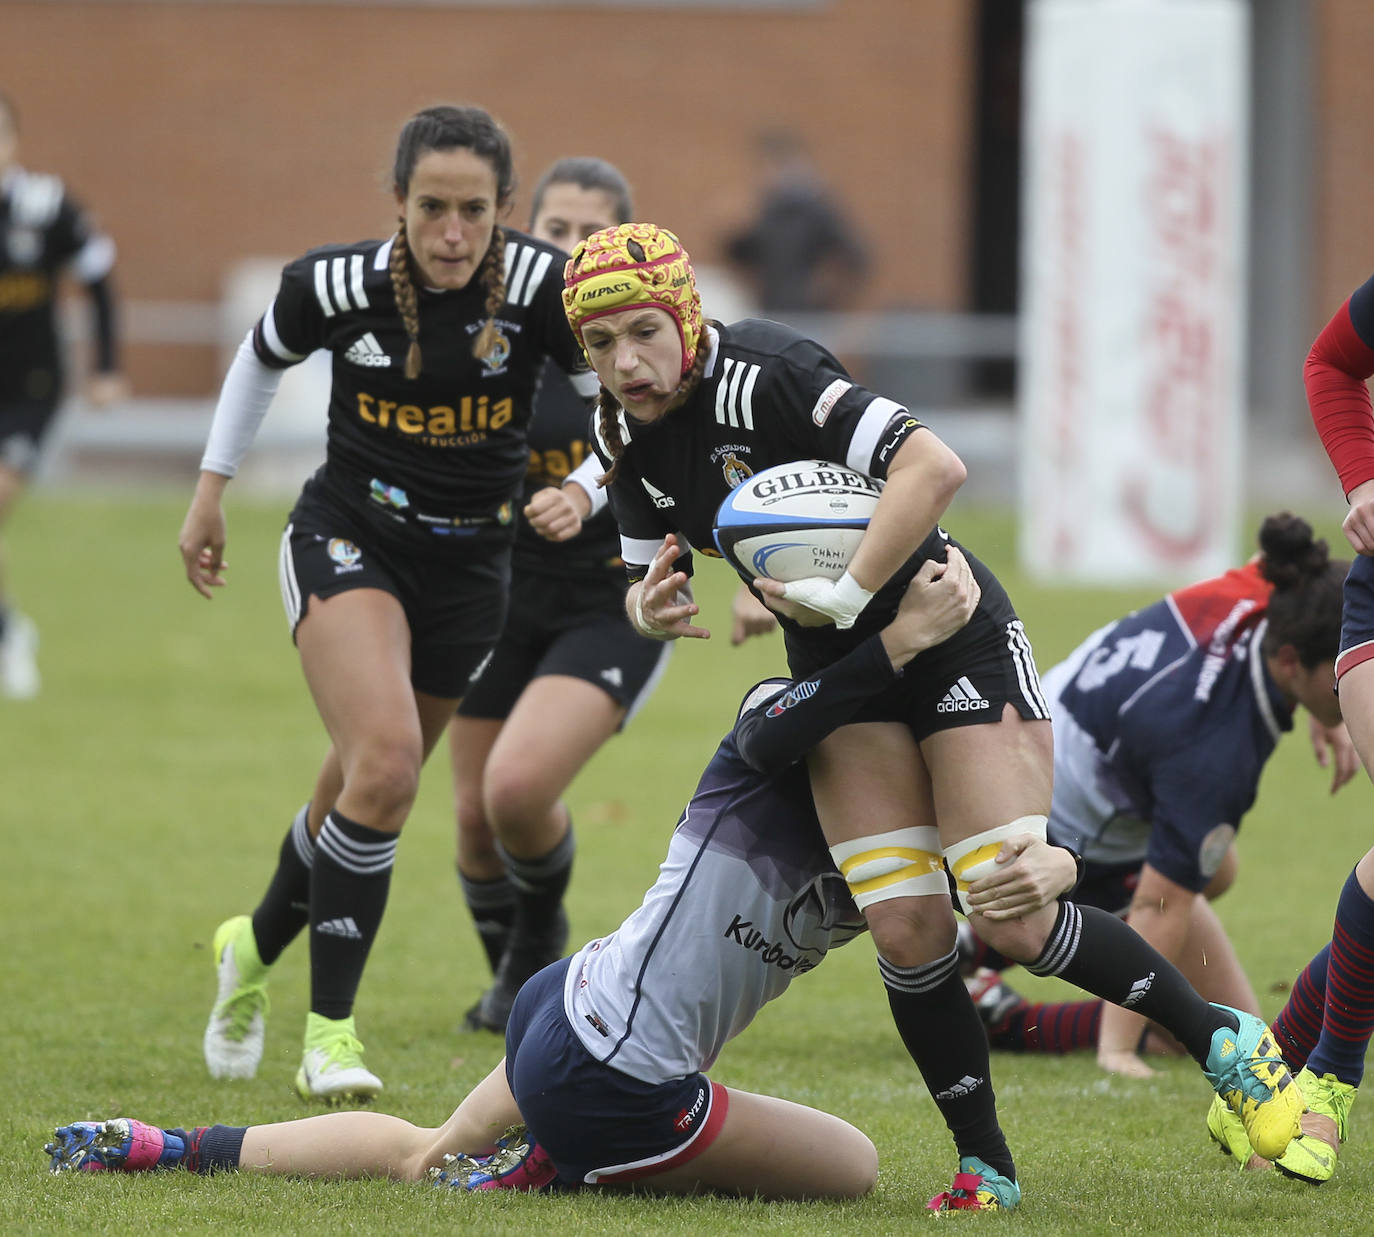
{"x":797,"y":520}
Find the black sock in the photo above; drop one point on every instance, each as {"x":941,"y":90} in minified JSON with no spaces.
{"x":349,"y":882}
{"x":940,"y":1027}
{"x":1108,"y":958}
{"x":539,"y":887}
{"x":285,"y":907}
{"x":492,"y":905}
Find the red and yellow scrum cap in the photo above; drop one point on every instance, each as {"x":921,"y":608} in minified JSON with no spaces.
{"x":631,"y":265}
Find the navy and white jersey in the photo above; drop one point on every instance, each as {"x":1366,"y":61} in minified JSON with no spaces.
{"x":43,"y":232}
{"x":448,"y":445}
{"x":747,"y":898}
{"x":1162,"y":724}
{"x":559,"y":440}
{"x":768,"y":396}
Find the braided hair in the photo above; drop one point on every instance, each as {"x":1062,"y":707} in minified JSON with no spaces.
{"x":1305,"y":608}
{"x":450,"y":128}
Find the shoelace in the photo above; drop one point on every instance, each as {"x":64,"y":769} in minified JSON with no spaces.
{"x":240,"y":1008}
{"x":343,"y":1049}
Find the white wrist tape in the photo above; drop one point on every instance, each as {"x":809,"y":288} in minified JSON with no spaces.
{"x":839,"y":600}
{"x":641,"y":620}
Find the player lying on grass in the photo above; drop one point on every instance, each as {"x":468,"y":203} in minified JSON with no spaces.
{"x":605,"y":1050}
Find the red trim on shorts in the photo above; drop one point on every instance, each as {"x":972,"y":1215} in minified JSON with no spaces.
{"x":1354,"y":656}
{"x":705,"y":1135}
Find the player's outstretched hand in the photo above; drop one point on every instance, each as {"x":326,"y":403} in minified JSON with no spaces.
{"x":663,"y":607}
{"x":557,"y":514}
{"x":1334,"y":748}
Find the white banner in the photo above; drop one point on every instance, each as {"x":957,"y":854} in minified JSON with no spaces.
{"x":1133,"y":286}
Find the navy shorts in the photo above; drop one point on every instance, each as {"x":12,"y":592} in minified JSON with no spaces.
{"x":1357,"y":616}
{"x":965,"y":681}
{"x":454,"y":597}
{"x":599,"y":1126}
{"x":556,"y":626}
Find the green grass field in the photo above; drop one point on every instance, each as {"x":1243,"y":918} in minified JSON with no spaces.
{"x":145,"y":794}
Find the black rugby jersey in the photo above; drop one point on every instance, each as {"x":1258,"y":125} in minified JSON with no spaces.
{"x":559,"y":440}
{"x":43,"y":230}
{"x":450,"y":444}
{"x":768,"y":396}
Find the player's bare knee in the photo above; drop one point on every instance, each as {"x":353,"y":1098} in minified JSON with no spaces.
{"x":385,"y":776}
{"x":514,"y":804}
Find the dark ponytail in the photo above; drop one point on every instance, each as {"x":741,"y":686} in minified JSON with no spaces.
{"x":1305,"y":608}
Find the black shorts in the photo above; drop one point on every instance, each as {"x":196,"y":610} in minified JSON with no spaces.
{"x":454,"y":597}
{"x":559,"y":625}
{"x":23,"y":425}
{"x":965,"y":681}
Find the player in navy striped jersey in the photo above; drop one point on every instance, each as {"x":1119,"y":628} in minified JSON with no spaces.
{"x":568,"y":669}
{"x":1164,"y":721}
{"x":43,"y":232}
{"x":931,"y":776}
{"x":395,"y":563}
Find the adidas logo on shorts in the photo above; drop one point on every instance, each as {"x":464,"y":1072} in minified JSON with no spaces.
{"x":368,"y":352}
{"x":344,"y":927}
{"x":613,"y":677}
{"x":963,"y":697}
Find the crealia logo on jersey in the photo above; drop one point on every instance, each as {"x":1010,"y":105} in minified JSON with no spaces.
{"x":471,"y":421}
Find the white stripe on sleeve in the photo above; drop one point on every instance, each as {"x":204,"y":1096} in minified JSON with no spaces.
{"x":865,"y":438}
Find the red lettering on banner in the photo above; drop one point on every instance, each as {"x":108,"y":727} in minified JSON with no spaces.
{"x":1066,"y":405}
{"x":1171,"y":496}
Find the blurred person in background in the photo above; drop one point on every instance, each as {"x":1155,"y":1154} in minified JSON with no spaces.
{"x":800,"y":253}
{"x":1326,"y":1025}
{"x":929,"y":778}
{"x":1163,"y":724}
{"x":43,"y":233}
{"x":568,"y":670}
{"x":395,"y":562}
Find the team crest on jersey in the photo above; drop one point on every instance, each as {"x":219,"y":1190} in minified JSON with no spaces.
{"x":735,"y":469}
{"x":345,"y":554}
{"x":497,"y":355}
{"x":802,"y":691}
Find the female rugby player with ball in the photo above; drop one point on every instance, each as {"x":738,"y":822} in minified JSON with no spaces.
{"x":909,"y":787}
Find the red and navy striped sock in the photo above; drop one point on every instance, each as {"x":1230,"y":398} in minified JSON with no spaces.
{"x":1049,"y":1026}
{"x":1348,"y":1020}
{"x":211,"y":1148}
{"x":1299,"y":1022}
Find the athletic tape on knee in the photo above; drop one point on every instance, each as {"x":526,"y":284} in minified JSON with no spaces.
{"x":904,"y":863}
{"x":972,"y":859}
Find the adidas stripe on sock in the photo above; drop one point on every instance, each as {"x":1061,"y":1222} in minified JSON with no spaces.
{"x":349,"y":883}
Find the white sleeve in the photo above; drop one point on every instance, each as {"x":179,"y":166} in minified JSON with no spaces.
{"x":584,"y":476}
{"x":243,"y":399}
